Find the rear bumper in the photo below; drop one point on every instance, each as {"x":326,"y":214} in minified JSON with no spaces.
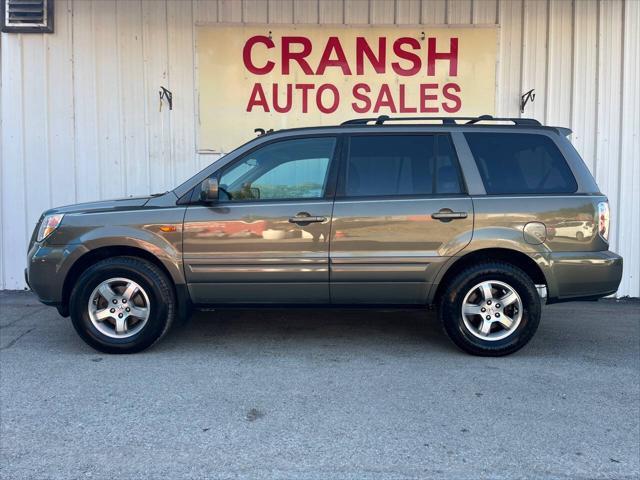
{"x":583,"y":275}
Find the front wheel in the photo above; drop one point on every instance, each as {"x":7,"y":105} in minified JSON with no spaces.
{"x":122,"y":305}
{"x":490,"y":309}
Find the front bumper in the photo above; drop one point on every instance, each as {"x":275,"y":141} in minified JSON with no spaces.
{"x":47,"y":268}
{"x":583,"y":275}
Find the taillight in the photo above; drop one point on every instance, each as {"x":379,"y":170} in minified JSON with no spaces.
{"x":603,"y":220}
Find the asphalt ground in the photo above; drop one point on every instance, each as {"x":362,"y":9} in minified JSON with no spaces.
{"x":330,"y":394}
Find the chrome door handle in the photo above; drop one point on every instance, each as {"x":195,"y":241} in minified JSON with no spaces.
{"x":306,"y":218}
{"x":446,"y":215}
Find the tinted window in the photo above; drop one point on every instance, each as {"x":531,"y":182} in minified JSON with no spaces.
{"x":389,"y":165}
{"x":280,"y":171}
{"x":512,"y":163}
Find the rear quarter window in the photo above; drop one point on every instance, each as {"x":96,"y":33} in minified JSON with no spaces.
{"x":401,"y":165}
{"x":520,"y":163}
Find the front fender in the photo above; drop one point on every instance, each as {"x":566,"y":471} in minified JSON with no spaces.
{"x":156,"y":231}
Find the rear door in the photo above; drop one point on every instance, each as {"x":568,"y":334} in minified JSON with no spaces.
{"x":401,"y":210}
{"x":267,"y":238}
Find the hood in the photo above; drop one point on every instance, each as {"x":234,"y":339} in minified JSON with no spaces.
{"x":127,"y":203}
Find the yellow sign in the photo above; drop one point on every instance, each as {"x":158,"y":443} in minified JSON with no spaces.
{"x":274,"y":77}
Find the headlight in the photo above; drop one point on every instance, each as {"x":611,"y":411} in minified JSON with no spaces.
{"x":48,"y":225}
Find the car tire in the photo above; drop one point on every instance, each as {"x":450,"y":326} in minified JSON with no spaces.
{"x":122,"y":305}
{"x":475,"y":320}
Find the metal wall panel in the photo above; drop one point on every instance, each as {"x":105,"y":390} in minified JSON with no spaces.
{"x":534,"y":54}
{"x":585,"y":58}
{"x":607,"y":164}
{"x":509,"y":73}
{"x":281,"y":11}
{"x":81,"y":120}
{"x":382,"y":12}
{"x":408,"y":12}
{"x":434,"y":12}
{"x":356,"y":12}
{"x":629,"y":194}
{"x":159,"y":161}
{"x":484,"y":12}
{"x":459,"y":12}
{"x":15,"y":225}
{"x":305,"y":11}
{"x":559,"y":77}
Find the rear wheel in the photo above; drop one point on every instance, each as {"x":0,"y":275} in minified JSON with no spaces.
{"x":490,"y":309}
{"x":122,"y":305}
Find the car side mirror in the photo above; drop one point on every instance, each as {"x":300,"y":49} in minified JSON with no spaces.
{"x":209,"y":190}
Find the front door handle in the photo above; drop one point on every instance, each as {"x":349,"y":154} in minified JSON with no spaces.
{"x":446,"y":215}
{"x":304,"y":218}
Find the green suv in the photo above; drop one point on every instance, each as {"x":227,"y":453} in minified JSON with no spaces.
{"x":486,"y":219}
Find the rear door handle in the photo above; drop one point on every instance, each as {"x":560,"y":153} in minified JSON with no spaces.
{"x":446,"y":215}
{"x":304,"y":217}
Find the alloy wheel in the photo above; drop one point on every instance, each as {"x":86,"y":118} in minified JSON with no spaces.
{"x":492,"y":310}
{"x":119,"y":307}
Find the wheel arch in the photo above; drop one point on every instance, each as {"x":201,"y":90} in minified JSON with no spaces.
{"x":100,"y":253}
{"x":532,"y":267}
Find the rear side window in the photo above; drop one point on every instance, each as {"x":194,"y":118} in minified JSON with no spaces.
{"x":520,"y":163}
{"x":401,"y":165}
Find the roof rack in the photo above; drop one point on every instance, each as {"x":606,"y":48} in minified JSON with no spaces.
{"x":445,"y":120}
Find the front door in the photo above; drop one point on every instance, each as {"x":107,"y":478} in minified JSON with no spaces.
{"x":267,"y":238}
{"x":400,"y":211}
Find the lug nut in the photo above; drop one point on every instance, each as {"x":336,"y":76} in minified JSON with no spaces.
{"x":497,"y":305}
{"x":488,"y":317}
{"x":128,"y":309}
{"x":488,"y":302}
{"x":483,"y":309}
{"x":115,"y":301}
{"x":124,"y":300}
{"x":113,"y":310}
{"x":119,"y":315}
{"x":497,"y":315}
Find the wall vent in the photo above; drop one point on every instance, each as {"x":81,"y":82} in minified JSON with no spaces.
{"x":27,"y":16}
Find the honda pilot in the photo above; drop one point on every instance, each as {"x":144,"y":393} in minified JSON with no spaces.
{"x":486,"y":219}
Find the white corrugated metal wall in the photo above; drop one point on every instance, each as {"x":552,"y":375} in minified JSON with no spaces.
{"x":80,"y":116}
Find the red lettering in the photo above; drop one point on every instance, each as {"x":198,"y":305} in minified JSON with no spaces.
{"x":457,"y":101}
{"x":364,"y":50}
{"x":405,"y":55}
{"x":452,"y":56}
{"x":336,"y":98}
{"x":287,"y":106}
{"x":304,"y":88}
{"x":257,"y":98}
{"x":385,"y":99}
{"x":299,"y":57}
{"x":424,"y":98}
{"x":403,"y":106}
{"x":333,"y":45}
{"x":362,"y":97}
{"x":246,"y":55}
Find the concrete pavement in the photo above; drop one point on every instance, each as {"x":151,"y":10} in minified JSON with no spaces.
{"x":321,"y":395}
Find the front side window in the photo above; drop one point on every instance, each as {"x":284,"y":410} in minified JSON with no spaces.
{"x":401,"y":165}
{"x":286,"y":170}
{"x":520,"y":163}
